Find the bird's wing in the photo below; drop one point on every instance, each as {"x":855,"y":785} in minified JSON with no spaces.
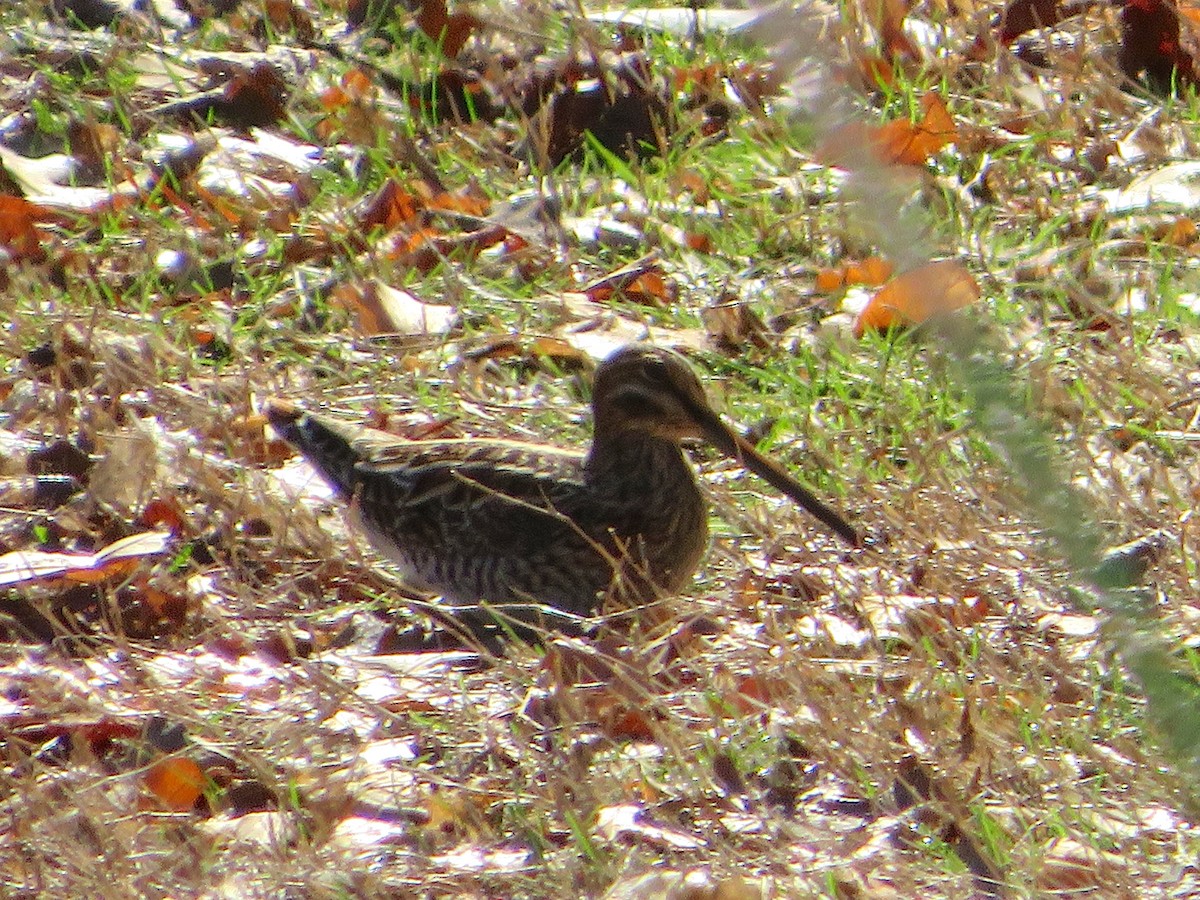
{"x":464,"y":473}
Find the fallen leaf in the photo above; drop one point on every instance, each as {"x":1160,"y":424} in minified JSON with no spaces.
{"x":754,"y":693}
{"x":619,"y":720}
{"x":270,"y":829}
{"x":908,"y":616}
{"x":114,"y":560}
{"x":1070,"y":868}
{"x":874,"y":270}
{"x":642,"y":281}
{"x":17,"y":231}
{"x":1181,"y":232}
{"x":629,"y":821}
{"x":915,"y":296}
{"x":899,"y":142}
{"x":1021,"y":16}
{"x":1151,"y":45}
{"x":255,"y":97}
{"x":468,"y":200}
{"x":906,"y":143}
{"x":287,"y":18}
{"x":697,"y":884}
{"x":390,"y":207}
{"x":425,"y":248}
{"x":622,"y":108}
{"x":177,"y":782}
{"x":887,"y":17}
{"x":382,"y":309}
{"x":450,"y":30}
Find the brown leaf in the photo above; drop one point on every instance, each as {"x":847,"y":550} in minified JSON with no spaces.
{"x":623,"y":109}
{"x":1021,"y":16}
{"x":621,"y":721}
{"x":639,"y":282}
{"x":1070,"y":868}
{"x":165,"y":512}
{"x":382,"y":309}
{"x":1180,"y":232}
{"x":353,"y":113}
{"x":754,"y":693}
{"x":391,"y":207}
{"x":887,"y":18}
{"x":256,"y":97}
{"x":469,"y":200}
{"x":285,"y":17}
{"x":732,"y":323}
{"x":426,"y":249}
{"x":449,"y":30}
{"x":561,"y":351}
{"x":1152,"y":45}
{"x":17,"y":231}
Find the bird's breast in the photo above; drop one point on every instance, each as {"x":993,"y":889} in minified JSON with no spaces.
{"x":656,"y":511}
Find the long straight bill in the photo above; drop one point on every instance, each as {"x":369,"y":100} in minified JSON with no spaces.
{"x":736,"y":447}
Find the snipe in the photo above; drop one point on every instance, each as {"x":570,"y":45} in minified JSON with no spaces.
{"x":516,"y":524}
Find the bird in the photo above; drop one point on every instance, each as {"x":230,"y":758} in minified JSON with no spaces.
{"x":524,"y":526}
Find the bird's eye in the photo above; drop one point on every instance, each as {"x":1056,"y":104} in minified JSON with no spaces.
{"x":635,"y":405}
{"x":655,"y":370}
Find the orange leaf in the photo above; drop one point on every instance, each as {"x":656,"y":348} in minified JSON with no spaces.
{"x":177,"y":782}
{"x":873,"y":270}
{"x":557,"y":349}
{"x":426,"y":248}
{"x":619,"y":720}
{"x":333,"y":98}
{"x":650,"y":286}
{"x":471,"y":203}
{"x":918,"y":294}
{"x":357,"y":84}
{"x":693,"y":181}
{"x":1180,"y":233}
{"x":17,"y":231}
{"x":829,"y":280}
{"x":159,"y":601}
{"x":704,"y":77}
{"x":382,"y":309}
{"x":912,"y":143}
{"x":638,"y":282}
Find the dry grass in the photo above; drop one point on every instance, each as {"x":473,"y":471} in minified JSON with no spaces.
{"x":934,"y":716}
